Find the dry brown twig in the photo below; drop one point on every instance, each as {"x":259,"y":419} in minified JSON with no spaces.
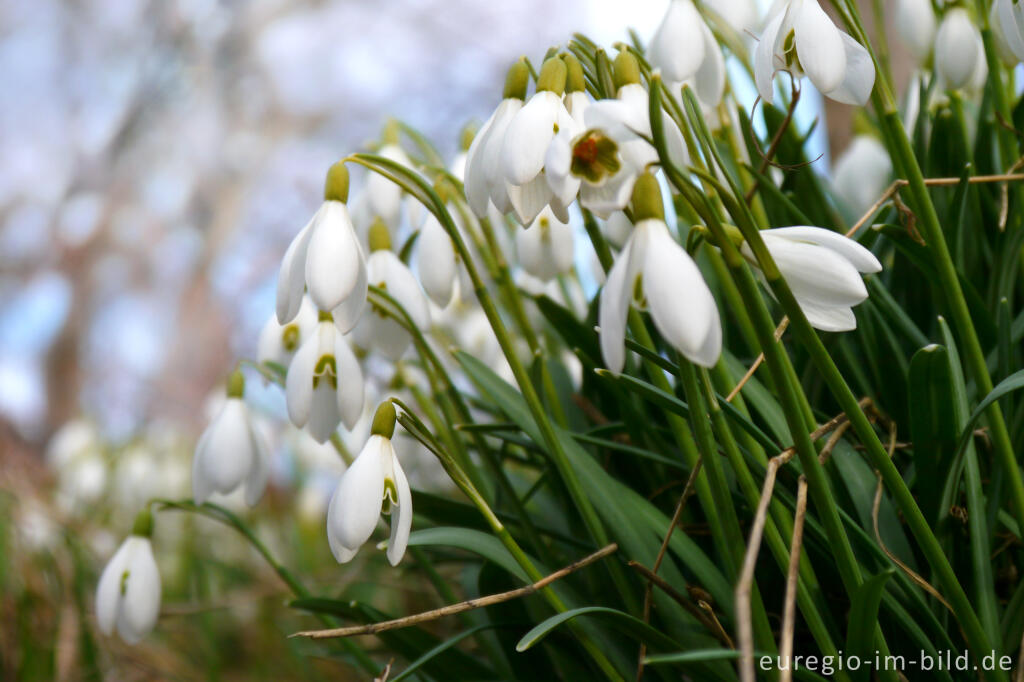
{"x":453,"y":609}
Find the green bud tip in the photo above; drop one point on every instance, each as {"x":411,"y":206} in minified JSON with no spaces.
{"x":236,"y":384}
{"x":625,"y":69}
{"x":516,"y":80}
{"x":574,"y":81}
{"x":143,"y":526}
{"x":647,"y":202}
{"x":336,"y":186}
{"x":466,"y":137}
{"x":384,"y":420}
{"x":734,"y":234}
{"x":392,"y":129}
{"x":380,"y":239}
{"x":552,"y":76}
{"x":325,"y":316}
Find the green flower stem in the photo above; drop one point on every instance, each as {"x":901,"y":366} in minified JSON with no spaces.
{"x":720,"y":494}
{"x":808,"y":593}
{"x":1007,"y":144}
{"x":229,"y":518}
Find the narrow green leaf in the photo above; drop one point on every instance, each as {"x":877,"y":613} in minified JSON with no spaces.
{"x":627,"y":624}
{"x":860,"y":631}
{"x":933,"y":428}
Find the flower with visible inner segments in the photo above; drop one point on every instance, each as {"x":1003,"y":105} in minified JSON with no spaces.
{"x":128,"y":593}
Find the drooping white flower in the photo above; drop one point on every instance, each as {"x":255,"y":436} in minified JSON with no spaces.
{"x":378,"y":331}
{"x":862,"y":173}
{"x":324,"y":386}
{"x":685,"y":50}
{"x":382,"y":196}
{"x":231,"y":452}
{"x":1007,"y":20}
{"x":603,"y":162}
{"x":375,"y":476}
{"x":278,"y":342}
{"x":801,"y":38}
{"x":128,"y":593}
{"x":822,"y":269}
{"x":326,"y":258}
{"x":436,"y":262}
{"x":545,"y":248}
{"x":653,"y":265}
{"x":526,"y":143}
{"x":485,"y":177}
{"x":916,"y":22}
{"x":740,"y":14}
{"x":957,"y":49}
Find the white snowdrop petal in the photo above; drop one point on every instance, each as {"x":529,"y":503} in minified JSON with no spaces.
{"x":613,"y":308}
{"x":817,"y":274}
{"x":108,"y":590}
{"x":819,"y":46}
{"x":710,"y":77}
{"x":359,"y":496}
{"x":259,"y":471}
{"x":677,"y":47}
{"x":403,"y":286}
{"x":202,"y":485}
{"x":140,"y":605}
{"x":333,"y":258}
{"x":401,"y":516}
{"x":291,"y":279}
{"x":492,"y":155}
{"x":227,"y":448}
{"x":323,"y":416}
{"x":349,"y":397}
{"x":475,"y":183}
{"x":529,"y":199}
{"x":858,"y":256}
{"x":612,"y":196}
{"x":341,"y":553}
{"x":298,"y":384}
{"x":435,"y":262}
{"x":828,"y":318}
{"x":915,"y":20}
{"x":350,"y":311}
{"x":528,"y":136}
{"x":956,"y":50}
{"x":764,"y":57}
{"x":859,"y":77}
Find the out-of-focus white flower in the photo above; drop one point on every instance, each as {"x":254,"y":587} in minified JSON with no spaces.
{"x":485,"y":177}
{"x":82,"y":480}
{"x":526,"y":143}
{"x":822,"y":269}
{"x":375,"y":476}
{"x":957,"y":48}
{"x":378,"y":331}
{"x":384,"y":197}
{"x":324,"y":386}
{"x":916,"y":22}
{"x":75,"y":437}
{"x":685,"y":50}
{"x":545,"y":248}
{"x":325,"y":257}
{"x":278,"y":342}
{"x":862,"y":173}
{"x":740,"y":14}
{"x":801,"y":38}
{"x":653,"y":266}
{"x":617,"y":229}
{"x":231,"y":452}
{"x":128,"y":594}
{"x":436,"y":262}
{"x":1007,"y":20}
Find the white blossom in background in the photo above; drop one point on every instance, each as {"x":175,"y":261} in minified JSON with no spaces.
{"x":436,"y":262}
{"x":545,"y":248}
{"x":656,"y":268}
{"x":128,"y":593}
{"x":915,"y":20}
{"x":741,"y":15}
{"x":1007,"y":20}
{"x":324,"y":385}
{"x":374,"y":478}
{"x":325,"y":257}
{"x":959,"y":51}
{"x":686,"y":51}
{"x":231,"y":451}
{"x":802,"y":39}
{"x":485,"y":176}
{"x":383,"y":197}
{"x":861,"y":173}
{"x":377,"y":331}
{"x":278,"y":342}
{"x":526,"y":143}
{"x":823,"y":270}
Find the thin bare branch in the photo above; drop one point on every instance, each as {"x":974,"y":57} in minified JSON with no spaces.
{"x":789,"y":606}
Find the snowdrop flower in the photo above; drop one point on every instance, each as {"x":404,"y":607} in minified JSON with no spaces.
{"x":604,"y":160}
{"x":485,"y":177}
{"x":231,"y":452}
{"x":740,"y":14}
{"x":382,"y":197}
{"x":278,"y":342}
{"x":958,"y":47}
{"x":1007,"y":20}
{"x":359,"y":499}
{"x":545,"y":248}
{"x":128,"y":594}
{"x":576,"y":99}
{"x":436,"y":262}
{"x":653,"y":267}
{"x":915,"y":20}
{"x":862,"y":173}
{"x":526,"y":143}
{"x":822,"y":269}
{"x":800,"y":37}
{"x":378,"y":331}
{"x":684,"y":49}
{"x":324,"y":386}
{"x":325,"y":257}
